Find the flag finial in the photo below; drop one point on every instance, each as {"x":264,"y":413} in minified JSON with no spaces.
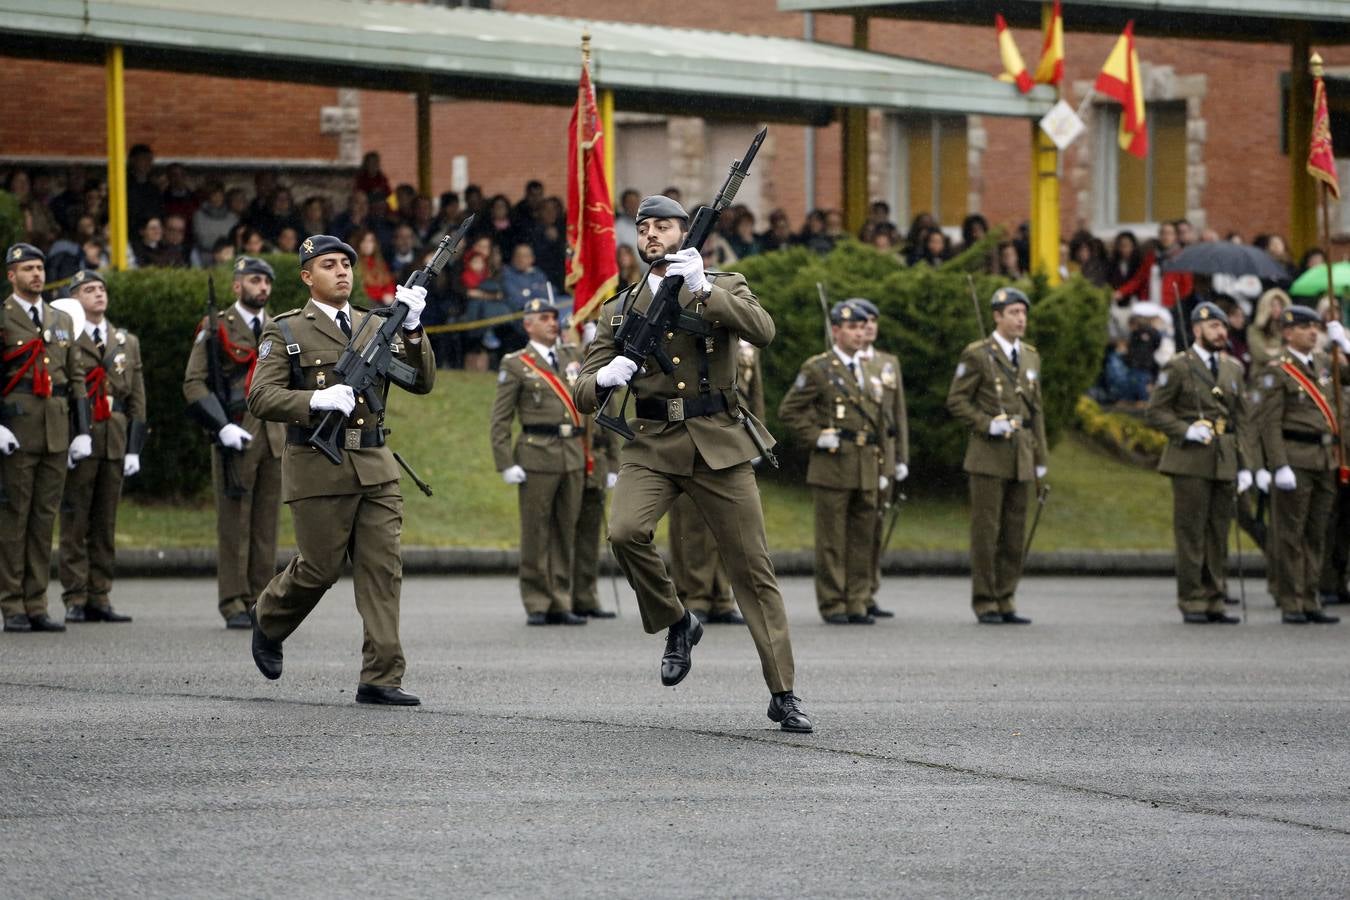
{"x":1316,"y":64}
{"x":586,"y":47}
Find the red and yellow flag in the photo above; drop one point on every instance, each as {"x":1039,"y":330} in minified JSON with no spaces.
{"x":1119,"y":79}
{"x":1050,"y":70}
{"x":592,"y":267}
{"x":1014,"y":70}
{"x":1321,"y":159}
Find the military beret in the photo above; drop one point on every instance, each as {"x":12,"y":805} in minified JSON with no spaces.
{"x":23,"y":253}
{"x":846,"y":311}
{"x":1006,"y":296}
{"x":865,"y":306}
{"x":85,"y":276}
{"x":661,"y":207}
{"x":322,"y":245}
{"x":539,"y":305}
{"x":251,"y":265}
{"x":1298,"y":314}
{"x":1207,"y":312}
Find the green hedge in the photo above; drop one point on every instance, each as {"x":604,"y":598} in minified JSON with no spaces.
{"x":927,"y":318}
{"x":11,"y":226}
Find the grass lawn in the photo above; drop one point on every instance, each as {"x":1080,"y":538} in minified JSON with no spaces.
{"x":1096,"y":502}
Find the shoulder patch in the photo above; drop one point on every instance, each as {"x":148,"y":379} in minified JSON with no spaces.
{"x":289,"y":312}
{"x":1268,"y":381}
{"x":502,"y":376}
{"x":201,"y":336}
{"x":800,"y":382}
{"x":264,"y":348}
{"x":960,"y":369}
{"x":1162,"y":377}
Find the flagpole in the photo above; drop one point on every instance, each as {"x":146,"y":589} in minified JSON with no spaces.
{"x":1324,"y":190}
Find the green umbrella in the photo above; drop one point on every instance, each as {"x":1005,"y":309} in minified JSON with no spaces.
{"x":1313,"y":283}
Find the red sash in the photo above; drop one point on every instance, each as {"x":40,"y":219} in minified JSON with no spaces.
{"x":96,"y":386}
{"x":35,"y":350}
{"x":1320,"y":401}
{"x":243,"y":356}
{"x":565,"y":396}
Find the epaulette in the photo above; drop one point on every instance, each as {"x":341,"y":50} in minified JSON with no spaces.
{"x":1030,"y":346}
{"x":288,"y":313}
{"x":975,"y":346}
{"x":819,"y":356}
{"x":515,"y":354}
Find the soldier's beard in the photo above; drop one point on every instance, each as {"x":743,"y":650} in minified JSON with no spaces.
{"x":1213,"y":346}
{"x":254,"y":302}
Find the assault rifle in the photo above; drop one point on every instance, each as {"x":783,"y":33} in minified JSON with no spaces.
{"x":212,"y":411}
{"x":369,"y":361}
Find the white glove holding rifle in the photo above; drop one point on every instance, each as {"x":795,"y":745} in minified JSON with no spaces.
{"x":415,"y":298}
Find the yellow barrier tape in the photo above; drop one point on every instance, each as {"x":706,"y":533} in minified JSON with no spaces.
{"x":474,"y":325}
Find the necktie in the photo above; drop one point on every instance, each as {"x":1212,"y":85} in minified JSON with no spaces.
{"x":553,"y":360}
{"x":344,"y":324}
{"x":1014,"y":358}
{"x":98,"y":340}
{"x":853,"y":370}
{"x":257,"y":326}
{"x":37,"y":322}
{"x":1214,"y":365}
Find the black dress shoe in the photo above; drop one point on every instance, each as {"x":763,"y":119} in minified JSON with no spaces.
{"x":1219,"y":618}
{"x":386,"y":696}
{"x":564,"y":618}
{"x":785,"y":709}
{"x":1317,"y":617}
{"x":1011,"y":618}
{"x":864,"y":619}
{"x":836,"y":619}
{"x":266,"y":652}
{"x":536,"y":619}
{"x":596,"y":613}
{"x":991,"y":618}
{"x":239,"y":620}
{"x":877,"y":612}
{"x":700,"y":614}
{"x":18,"y":623}
{"x":75,"y":614}
{"x":43,"y":622}
{"x":1294,"y":619}
{"x":1195,"y":618}
{"x":730,"y":617}
{"x":104,"y":614}
{"x":680,"y":642}
{"x":1231,"y":601}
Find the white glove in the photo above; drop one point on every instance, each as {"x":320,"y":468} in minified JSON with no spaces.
{"x":1200,"y":433}
{"x":339,"y":397}
{"x":1041,"y":472}
{"x":513,"y":475}
{"x":883,"y":483}
{"x":1284,"y":478}
{"x":688,"y":264}
{"x":8,"y":442}
{"x":587,"y":333}
{"x":828,"y":440}
{"x":1336,"y":331}
{"x":1000,"y":427}
{"x":1244,"y":480}
{"x":233,"y":437}
{"x":82,"y":447}
{"x":131,"y":464}
{"x":1263,"y":480}
{"x":415,"y":298}
{"x":616,"y":373}
{"x":901,"y":471}
{"x":610,"y":480}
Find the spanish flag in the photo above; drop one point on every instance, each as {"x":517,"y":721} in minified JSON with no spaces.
{"x":1321,"y":159}
{"x":1014,"y":69}
{"x":1119,"y":79}
{"x":1050,"y":70}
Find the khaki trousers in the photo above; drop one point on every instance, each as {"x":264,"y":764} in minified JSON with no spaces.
{"x":367,"y":526}
{"x":729,"y":501}
{"x":586,"y":554}
{"x":1202,"y":511}
{"x":88,"y":530}
{"x":1336,"y":553}
{"x":33,"y":483}
{"x":550,"y":504}
{"x":845,"y":555}
{"x":1300,"y":518}
{"x":246,"y":527}
{"x":998,"y":524}
{"x":701,"y":580}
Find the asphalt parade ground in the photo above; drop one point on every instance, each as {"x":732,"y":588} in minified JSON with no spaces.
{"x":1107,"y":750}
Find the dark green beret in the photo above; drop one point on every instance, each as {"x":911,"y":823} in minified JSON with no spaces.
{"x":1207,"y":312}
{"x":846,"y":311}
{"x":85,"y":276}
{"x":865,"y":306}
{"x":322,"y":245}
{"x":251,"y":265}
{"x":539,"y":305}
{"x":23,"y":253}
{"x":661,"y":207}
{"x":1298,"y":314}
{"x":1006,"y":296}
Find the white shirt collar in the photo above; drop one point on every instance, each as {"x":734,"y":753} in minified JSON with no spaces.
{"x":1201,"y":352}
{"x":543,"y":350}
{"x":1006,"y":347}
{"x":854,"y":361}
{"x":28,"y":307}
{"x":653,"y":282}
{"x":105,"y":326}
{"x":867,"y":353}
{"x":331,"y":312}
{"x":1307,"y":360}
{"x":249,"y":315}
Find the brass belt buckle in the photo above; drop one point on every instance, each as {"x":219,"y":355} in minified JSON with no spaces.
{"x":860,"y":439}
{"x":351,"y":438}
{"x":1220,"y":425}
{"x":675,"y":410}
{"x":565,"y":430}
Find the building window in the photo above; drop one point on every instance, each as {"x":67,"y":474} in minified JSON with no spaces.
{"x":1134,"y":191}
{"x":928,"y":168}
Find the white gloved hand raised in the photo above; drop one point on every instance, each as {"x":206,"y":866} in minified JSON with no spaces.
{"x":1199,"y":433}
{"x":415,"y":298}
{"x":1244,"y":480}
{"x":1284,"y":478}
{"x":883,"y":482}
{"x":828,"y":440}
{"x":1263,"y":480}
{"x":233,"y":437}
{"x":610,"y":480}
{"x":339,"y":398}
{"x":1336,"y":331}
{"x":901,"y":471}
{"x":1041,"y":472}
{"x":8,"y":442}
{"x":688,"y":264}
{"x":82,"y":447}
{"x":131,"y":464}
{"x":616,"y":373}
{"x":513,"y":475}
{"x":1000,"y":427}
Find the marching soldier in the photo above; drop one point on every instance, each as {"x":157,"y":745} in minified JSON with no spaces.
{"x":600,"y":480}
{"x":549,"y":464}
{"x":1299,"y":431}
{"x":885,"y":366}
{"x":835,"y":407}
{"x":996,"y":393}
{"x":246,"y":512}
{"x":1200,"y":406}
{"x":693,"y":437}
{"x":40,"y":375}
{"x":115,"y":384}
{"x":700,"y":576}
{"x":350,"y":510}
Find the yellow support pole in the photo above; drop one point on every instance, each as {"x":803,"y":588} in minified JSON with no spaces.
{"x":424,"y":140}
{"x":854,"y":156}
{"x":115,"y":106}
{"x":1044,"y":192}
{"x":606,"y":103}
{"x":1302,"y":189}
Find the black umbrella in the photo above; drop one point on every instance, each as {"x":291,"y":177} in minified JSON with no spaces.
{"x":1227,"y":258}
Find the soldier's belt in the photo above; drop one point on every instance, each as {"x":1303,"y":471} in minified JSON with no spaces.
{"x":352,"y":438}
{"x":1309,"y":437}
{"x":680,"y":408}
{"x":857,"y":438}
{"x":26,"y":387}
{"x":892,"y":432}
{"x":563,"y":431}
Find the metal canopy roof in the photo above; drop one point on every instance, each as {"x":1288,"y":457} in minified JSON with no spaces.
{"x":1243,"y":20}
{"x":482,"y":54}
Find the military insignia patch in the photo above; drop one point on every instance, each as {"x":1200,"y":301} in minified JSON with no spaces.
{"x":960,"y":369}
{"x":573,"y":372}
{"x":1031,"y":374}
{"x":121,"y":337}
{"x":239,"y":266}
{"x":201,"y":336}
{"x":888,"y":375}
{"x":16,"y":254}
{"x":501,"y":376}
{"x":120,"y":363}
{"x":264,"y":348}
{"x":800,"y":382}
{"x":1268,"y":381}
{"x":1162,"y":380}
{"x":308,"y":245}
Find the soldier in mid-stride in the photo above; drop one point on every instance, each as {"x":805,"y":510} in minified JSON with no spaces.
{"x":996,"y":393}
